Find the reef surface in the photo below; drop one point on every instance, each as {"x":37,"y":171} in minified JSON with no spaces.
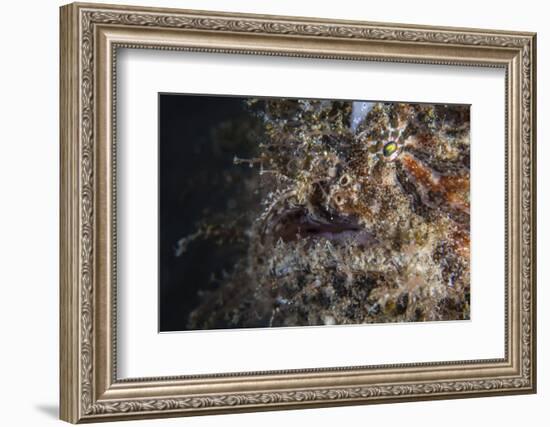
{"x":364,"y":217}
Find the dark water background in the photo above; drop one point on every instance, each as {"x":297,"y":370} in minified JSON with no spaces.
{"x":198,"y":139}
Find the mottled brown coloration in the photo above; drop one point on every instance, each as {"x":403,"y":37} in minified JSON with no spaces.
{"x":353,"y":232}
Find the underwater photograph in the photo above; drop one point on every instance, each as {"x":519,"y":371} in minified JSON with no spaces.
{"x":277,"y":212}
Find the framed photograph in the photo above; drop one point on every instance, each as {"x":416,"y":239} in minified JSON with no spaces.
{"x":266,"y":212}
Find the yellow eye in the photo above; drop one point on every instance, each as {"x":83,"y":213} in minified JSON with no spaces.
{"x":389,"y":148}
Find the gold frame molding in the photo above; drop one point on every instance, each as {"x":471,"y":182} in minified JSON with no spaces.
{"x":90,"y":37}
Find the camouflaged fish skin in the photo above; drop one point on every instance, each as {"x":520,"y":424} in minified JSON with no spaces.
{"x":365,"y":218}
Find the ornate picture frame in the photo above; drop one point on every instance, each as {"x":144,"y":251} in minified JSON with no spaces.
{"x":90,"y":37}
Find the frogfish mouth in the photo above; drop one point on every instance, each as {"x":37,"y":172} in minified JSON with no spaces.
{"x":301,"y":223}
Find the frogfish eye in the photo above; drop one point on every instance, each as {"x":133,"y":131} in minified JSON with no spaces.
{"x":389,"y":148}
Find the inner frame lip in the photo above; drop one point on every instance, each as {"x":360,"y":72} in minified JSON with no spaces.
{"x":490,"y":63}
